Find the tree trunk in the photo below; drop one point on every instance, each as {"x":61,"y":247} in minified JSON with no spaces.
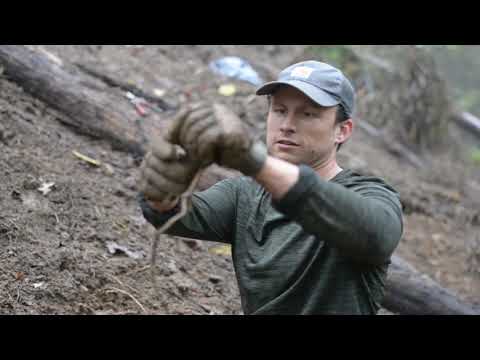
{"x":409,"y":96}
{"x":409,"y":292}
{"x":93,"y":107}
{"x":89,"y":105}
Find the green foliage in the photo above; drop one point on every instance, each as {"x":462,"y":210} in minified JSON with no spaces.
{"x":469,"y":99}
{"x":475,"y":156}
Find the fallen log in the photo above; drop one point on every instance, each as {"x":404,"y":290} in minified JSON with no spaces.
{"x":123,"y":85}
{"x":410,"y":292}
{"x":468,"y":121}
{"x":95,"y":108}
{"x":89,"y":105}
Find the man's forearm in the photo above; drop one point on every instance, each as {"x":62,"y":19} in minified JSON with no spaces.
{"x":277,"y":176}
{"x":211,"y":215}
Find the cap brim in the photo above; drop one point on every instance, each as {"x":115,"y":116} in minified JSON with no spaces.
{"x":317,"y":95}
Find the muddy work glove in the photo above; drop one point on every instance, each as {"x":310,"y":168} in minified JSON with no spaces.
{"x":167,"y":170}
{"x":216,"y":134}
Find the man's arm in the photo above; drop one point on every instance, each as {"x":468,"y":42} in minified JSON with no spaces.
{"x":169,"y":168}
{"x":211,"y":216}
{"x":366,"y":227}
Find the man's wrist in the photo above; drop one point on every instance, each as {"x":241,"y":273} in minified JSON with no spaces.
{"x":278,"y":176}
{"x":257,"y":156}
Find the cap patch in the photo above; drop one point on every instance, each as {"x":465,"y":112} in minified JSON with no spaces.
{"x":302,"y":72}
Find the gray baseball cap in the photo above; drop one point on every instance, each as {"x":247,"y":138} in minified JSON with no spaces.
{"x":323,"y":83}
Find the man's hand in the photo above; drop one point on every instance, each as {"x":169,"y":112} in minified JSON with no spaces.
{"x":216,"y":134}
{"x":167,"y":171}
{"x":237,"y":148}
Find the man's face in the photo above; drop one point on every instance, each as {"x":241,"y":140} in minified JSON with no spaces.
{"x":300,"y":131}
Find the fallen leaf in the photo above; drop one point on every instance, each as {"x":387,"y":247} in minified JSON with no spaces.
{"x":159,"y":92}
{"x":19,"y":275}
{"x":109,"y":170}
{"x":113,"y":248}
{"x":86,"y":158}
{"x":227,"y":90}
{"x":40,"y":284}
{"x":225,"y":250}
{"x":46,"y":187}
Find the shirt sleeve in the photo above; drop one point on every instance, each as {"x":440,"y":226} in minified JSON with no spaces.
{"x":364,"y":223}
{"x":211,"y":216}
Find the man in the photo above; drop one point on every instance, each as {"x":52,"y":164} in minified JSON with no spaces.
{"x":307,"y":236}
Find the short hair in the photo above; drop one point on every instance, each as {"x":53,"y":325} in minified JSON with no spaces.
{"x":340,"y":117}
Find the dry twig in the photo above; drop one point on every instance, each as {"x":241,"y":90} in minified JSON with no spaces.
{"x":185,"y":198}
{"x":114,"y":289}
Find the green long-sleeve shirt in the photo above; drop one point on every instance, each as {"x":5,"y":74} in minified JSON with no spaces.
{"x":324,"y":248}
